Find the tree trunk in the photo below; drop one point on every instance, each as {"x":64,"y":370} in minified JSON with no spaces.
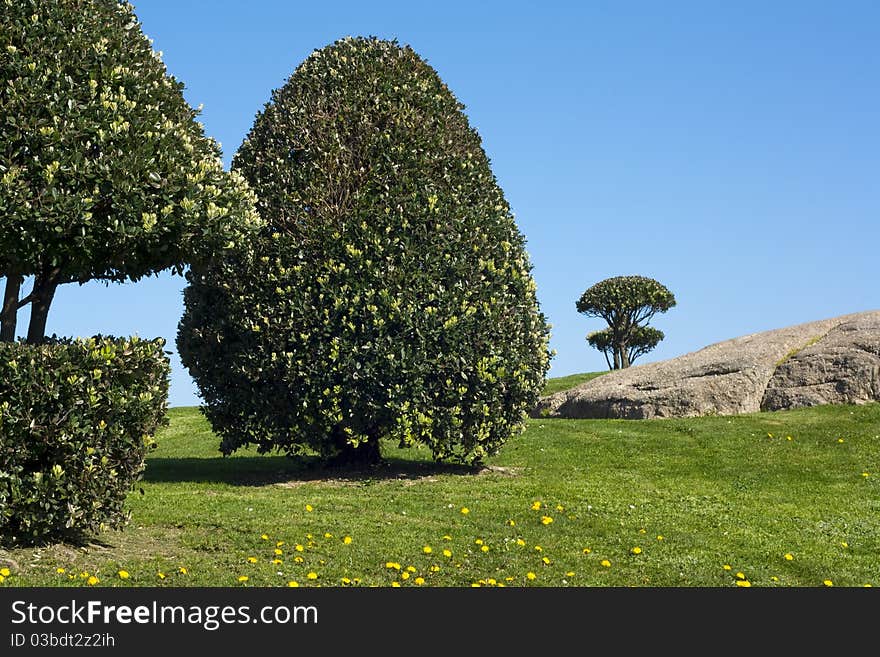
{"x":45,"y":285}
{"x":624,"y":356}
{"x":9,"y":314}
{"x":367,"y":453}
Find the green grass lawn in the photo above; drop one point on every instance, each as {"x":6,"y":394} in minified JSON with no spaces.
{"x":691,"y":502}
{"x":561,"y":383}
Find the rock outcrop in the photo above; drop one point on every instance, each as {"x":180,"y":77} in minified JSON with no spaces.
{"x":841,"y":368}
{"x":824,"y":362}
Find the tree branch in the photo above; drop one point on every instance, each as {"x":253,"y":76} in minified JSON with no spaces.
{"x":25,"y":301}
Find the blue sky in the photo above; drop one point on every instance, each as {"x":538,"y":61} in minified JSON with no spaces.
{"x":729,"y":150}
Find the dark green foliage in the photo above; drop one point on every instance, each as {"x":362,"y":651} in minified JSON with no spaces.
{"x":390,"y":294}
{"x":105,"y":173}
{"x":642,"y":340}
{"x":627,"y":304}
{"x":76,"y":421}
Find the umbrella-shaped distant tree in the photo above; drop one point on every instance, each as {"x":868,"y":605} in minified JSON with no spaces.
{"x":627,"y":304}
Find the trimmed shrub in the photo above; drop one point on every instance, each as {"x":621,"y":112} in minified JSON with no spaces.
{"x":76,"y":421}
{"x":390,"y":295}
{"x":105,"y":171}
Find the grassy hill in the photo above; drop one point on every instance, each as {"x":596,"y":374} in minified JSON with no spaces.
{"x":560,"y":383}
{"x":782,"y":499}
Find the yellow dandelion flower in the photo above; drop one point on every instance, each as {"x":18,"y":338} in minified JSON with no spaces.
{"x":427,"y":549}
{"x":392,"y":565}
{"x":520,"y":542}
{"x":410,"y":569}
{"x":740,"y":576}
{"x":774,"y":578}
{"x":5,"y":572}
{"x":538,"y":548}
{"x":91,"y":581}
{"x":347,"y":540}
{"x":298,"y":547}
{"x":840,"y":440}
{"x":475,"y":585}
{"x":404,"y":575}
{"x":298,"y":559}
{"x":2,"y":579}
{"x":435,"y":568}
{"x":345,"y":581}
{"x":279,"y":543}
{"x":587,"y":550}
{"x":511,"y":523}
{"x":123,"y":574}
{"x":659,"y":537}
{"x":312,"y":575}
{"x":560,"y":508}
{"x":867,"y":586}
{"x":828,"y":582}
{"x":484,"y":548}
{"x":788,"y":438}
{"x":293,"y":584}
{"x":509,"y":579}
{"x":769,"y":435}
{"x":182,"y":570}
{"x":643,"y":531}
{"x":605,"y":563}
{"x":395,"y":585}
{"x":265,"y":537}
{"x":536,"y":505}
{"x":328,"y":535}
{"x":161,"y":575}
{"x":60,"y":571}
{"x":726,"y":567}
{"x":479,"y":541}
{"x":546,"y":561}
{"x":844,"y":544}
{"x":744,"y":583}
{"x":546,"y":520}
{"x":252,"y":560}
{"x":789,"y":556}
{"x":419,"y":580}
{"x":277,"y":562}
{"x":309,"y":508}
{"x":866,"y":474}
{"x":278,"y":552}
{"x":636,"y":550}
{"x":447,"y":553}
{"x":243,"y":578}
{"x":570,"y":573}
{"x":530,"y":575}
{"x":465,"y":510}
{"x":447,"y":537}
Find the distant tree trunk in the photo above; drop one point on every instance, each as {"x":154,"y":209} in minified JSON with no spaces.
{"x":9,"y":313}
{"x":616,"y":358}
{"x":45,"y":285}
{"x":624,"y":355}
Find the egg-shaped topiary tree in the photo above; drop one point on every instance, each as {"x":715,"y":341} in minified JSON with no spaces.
{"x":390,"y":295}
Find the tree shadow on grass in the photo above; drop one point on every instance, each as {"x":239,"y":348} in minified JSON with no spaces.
{"x":265,"y":470}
